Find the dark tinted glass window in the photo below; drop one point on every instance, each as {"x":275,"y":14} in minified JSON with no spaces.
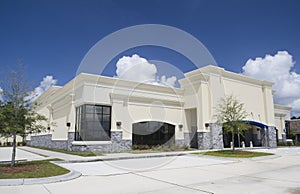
{"x":93,"y":123}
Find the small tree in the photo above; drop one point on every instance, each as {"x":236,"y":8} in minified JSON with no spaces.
{"x":230,"y":113}
{"x":17,"y":111}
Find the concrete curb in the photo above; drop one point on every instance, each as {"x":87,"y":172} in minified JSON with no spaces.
{"x":31,"y":181}
{"x":122,"y":158}
{"x":258,"y":158}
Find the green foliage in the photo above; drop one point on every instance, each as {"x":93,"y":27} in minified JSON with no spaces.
{"x":17,"y":111}
{"x":292,"y":134}
{"x":160,"y":148}
{"x":140,"y":147}
{"x":293,"y":117}
{"x":281,"y":144}
{"x":22,"y":143}
{"x":186,"y":147}
{"x":289,"y":143}
{"x":236,"y":127}
{"x":236,"y":154}
{"x":19,"y":120}
{"x":230,"y":113}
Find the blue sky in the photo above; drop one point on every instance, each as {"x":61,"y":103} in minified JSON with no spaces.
{"x":51,"y":37}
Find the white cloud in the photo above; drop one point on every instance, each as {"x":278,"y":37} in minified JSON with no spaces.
{"x":278,"y":69}
{"x":136,"y":68}
{"x":296,"y":106}
{"x":170,"y":81}
{"x":47,"y":82}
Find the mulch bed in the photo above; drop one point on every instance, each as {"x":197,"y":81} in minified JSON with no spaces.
{"x":19,"y":168}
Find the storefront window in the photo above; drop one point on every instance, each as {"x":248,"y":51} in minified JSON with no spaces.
{"x":93,"y":123}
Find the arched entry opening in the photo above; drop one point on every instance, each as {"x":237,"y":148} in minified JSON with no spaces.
{"x":153,"y":133}
{"x":255,"y":134}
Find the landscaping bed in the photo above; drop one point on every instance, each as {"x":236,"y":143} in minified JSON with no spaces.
{"x":32,"y":169}
{"x":235,"y":154}
{"x":141,"y":149}
{"x":288,"y":144}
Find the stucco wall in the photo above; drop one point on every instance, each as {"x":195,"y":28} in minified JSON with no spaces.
{"x":130,"y":114}
{"x":213,"y":83}
{"x":252,"y":97}
{"x":282,"y":114}
{"x":280,"y":126}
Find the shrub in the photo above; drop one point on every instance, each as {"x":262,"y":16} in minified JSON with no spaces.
{"x":157,"y":148}
{"x":186,"y":147}
{"x":290,"y":143}
{"x":173,"y":147}
{"x":21,"y":143}
{"x":281,"y":144}
{"x":140,"y":147}
{"x":166,"y":148}
{"x":134,"y":147}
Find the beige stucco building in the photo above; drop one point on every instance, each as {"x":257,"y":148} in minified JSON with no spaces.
{"x":282,"y":114}
{"x":94,"y":112}
{"x":293,"y":129}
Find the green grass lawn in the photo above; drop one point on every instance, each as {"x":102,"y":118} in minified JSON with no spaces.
{"x":84,"y":154}
{"x":235,"y":154}
{"x":33,"y":169}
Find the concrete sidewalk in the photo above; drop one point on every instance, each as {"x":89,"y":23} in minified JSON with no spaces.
{"x":50,"y":154}
{"x":105,"y":157}
{"x":30,"y":153}
{"x":6,"y":152}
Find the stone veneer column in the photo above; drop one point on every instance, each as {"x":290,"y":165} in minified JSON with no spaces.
{"x":217,"y":136}
{"x":264,"y":137}
{"x":204,"y":140}
{"x":47,"y":142}
{"x":212,"y":139}
{"x":71,"y":138}
{"x":118,"y":144}
{"x":271,"y":134}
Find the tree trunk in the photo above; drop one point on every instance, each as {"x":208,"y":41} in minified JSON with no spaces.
{"x":232,"y":140}
{"x":13,"y":157}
